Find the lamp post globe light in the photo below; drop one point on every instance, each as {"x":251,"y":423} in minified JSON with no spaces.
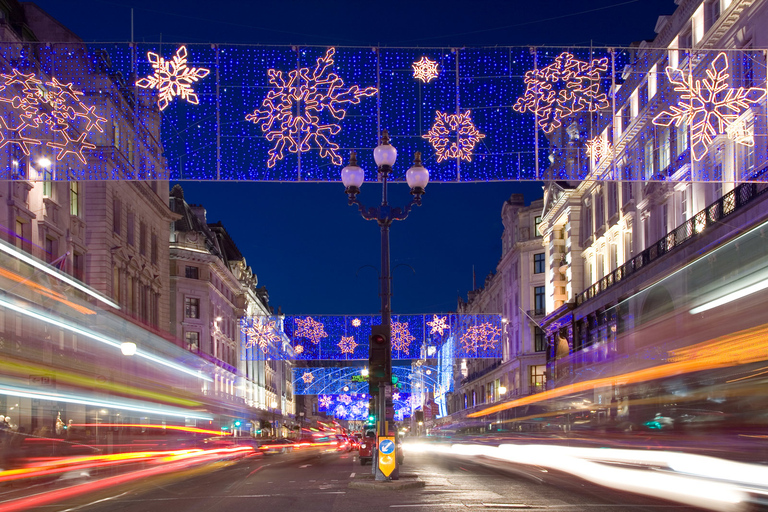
{"x":417,"y":177}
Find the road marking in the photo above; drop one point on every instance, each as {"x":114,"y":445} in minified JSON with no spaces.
{"x":255,"y":470}
{"x":305,"y":466}
{"x":352,"y":475}
{"x":95,"y":502}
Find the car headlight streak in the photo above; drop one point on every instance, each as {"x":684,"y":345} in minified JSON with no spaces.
{"x":102,"y":339}
{"x":61,"y":276}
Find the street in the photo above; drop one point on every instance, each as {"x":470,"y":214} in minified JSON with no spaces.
{"x":308,"y":481}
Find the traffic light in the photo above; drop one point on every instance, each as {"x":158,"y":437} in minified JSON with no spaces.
{"x":238,"y":423}
{"x":379,"y":358}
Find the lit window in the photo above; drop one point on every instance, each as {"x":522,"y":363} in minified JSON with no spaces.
{"x":74,"y":198}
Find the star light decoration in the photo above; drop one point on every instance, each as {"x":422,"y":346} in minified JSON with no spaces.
{"x":261,"y":334}
{"x":298,"y":349}
{"x":311,"y":329}
{"x":483,"y":336}
{"x":438,"y":325}
{"x":563,"y":88}
{"x":53,"y":105}
{"x":453,"y":136}
{"x":425,"y":69}
{"x":347,"y":344}
{"x":325,"y":401}
{"x":709,"y":105}
{"x":307,"y":377}
{"x":598,"y":148}
{"x":356,"y":322}
{"x":290,"y":114}
{"x":401,"y":336}
{"x":172,"y":78}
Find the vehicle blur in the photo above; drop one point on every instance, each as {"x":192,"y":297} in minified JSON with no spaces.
{"x":367,"y":445}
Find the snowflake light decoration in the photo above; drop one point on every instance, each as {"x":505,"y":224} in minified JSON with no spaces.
{"x":325,"y":401}
{"x":598,"y":148}
{"x":347,"y":344}
{"x":345,"y":399}
{"x":307,"y":377}
{"x":396,"y":396}
{"x":290,"y":115}
{"x":483,"y":336}
{"x":708,"y":105}
{"x":356,"y":322}
{"x":401,"y":336}
{"x":172,"y":78}
{"x":566,"y":86}
{"x":425,"y":69}
{"x":298,"y":349}
{"x":311,"y":329}
{"x":262,"y":335}
{"x":53,"y":105}
{"x":438,"y":325}
{"x":453,"y":136}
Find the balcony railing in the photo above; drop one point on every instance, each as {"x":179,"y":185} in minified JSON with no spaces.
{"x":730,"y":203}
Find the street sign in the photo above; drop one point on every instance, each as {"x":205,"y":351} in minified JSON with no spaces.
{"x":387,"y":457}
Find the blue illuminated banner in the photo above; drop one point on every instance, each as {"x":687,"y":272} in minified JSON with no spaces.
{"x":294,"y":113}
{"x":345,"y":337}
{"x":337,"y":380}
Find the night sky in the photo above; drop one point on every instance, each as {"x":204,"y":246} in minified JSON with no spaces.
{"x":312,"y":251}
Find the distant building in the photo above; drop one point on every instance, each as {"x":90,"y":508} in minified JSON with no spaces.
{"x":213,"y":288}
{"x":515,"y":291}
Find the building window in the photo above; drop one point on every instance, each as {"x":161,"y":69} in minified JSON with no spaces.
{"x":129,"y":144}
{"x":192,"y":341}
{"x":192,"y":273}
{"x":539,"y":301}
{"x":538,"y":377}
{"x":627,"y":246}
{"x":681,"y":139}
{"x":117,"y":211}
{"x":539,"y":340}
{"x":536,"y":224}
{"x":613,"y":200}
{"x":116,"y":128}
{"x":599,"y":211}
{"x":74,"y":198}
{"x":130,"y":227}
{"x":192,"y":307}
{"x":649,"y":170}
{"x":538,"y":263}
{"x":78,"y":269}
{"x":51,"y":249}
{"x":685,"y":203}
{"x":664,"y":147}
{"x":614,"y":256}
{"x":47,"y":176}
{"x":142,"y":238}
{"x":153,"y":249}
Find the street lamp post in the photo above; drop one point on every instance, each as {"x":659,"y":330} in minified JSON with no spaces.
{"x":502,"y":392}
{"x":417,"y":178}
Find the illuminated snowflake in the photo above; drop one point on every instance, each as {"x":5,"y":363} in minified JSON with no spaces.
{"x":299,"y":349}
{"x":172,"y":78}
{"x":290,"y":115}
{"x":307,"y":377}
{"x":356,"y":322}
{"x":598,"y":148}
{"x":483,"y":336}
{"x":425,"y":69}
{"x":347,"y":344}
{"x":395,"y":396}
{"x":438,"y":324}
{"x":310,"y":329}
{"x":566,"y":86}
{"x":453,"y":136}
{"x":401,"y":336}
{"x":325,"y":401}
{"x":262,"y":335}
{"x":340,"y":412}
{"x":51,"y":105}
{"x":399,"y":415}
{"x":709,"y":106}
{"x":345,"y":399}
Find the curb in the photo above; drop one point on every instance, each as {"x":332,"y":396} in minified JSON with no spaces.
{"x":405,"y":482}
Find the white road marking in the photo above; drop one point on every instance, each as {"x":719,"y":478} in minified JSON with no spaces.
{"x":305,"y":466}
{"x":94,"y":502}
{"x":352,"y":475}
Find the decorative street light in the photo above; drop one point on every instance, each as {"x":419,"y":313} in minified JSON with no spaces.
{"x":417,"y":177}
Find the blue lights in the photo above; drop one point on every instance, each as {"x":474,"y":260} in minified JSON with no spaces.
{"x":213,"y":140}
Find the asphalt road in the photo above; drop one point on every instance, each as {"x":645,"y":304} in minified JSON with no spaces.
{"x":308,"y":482}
